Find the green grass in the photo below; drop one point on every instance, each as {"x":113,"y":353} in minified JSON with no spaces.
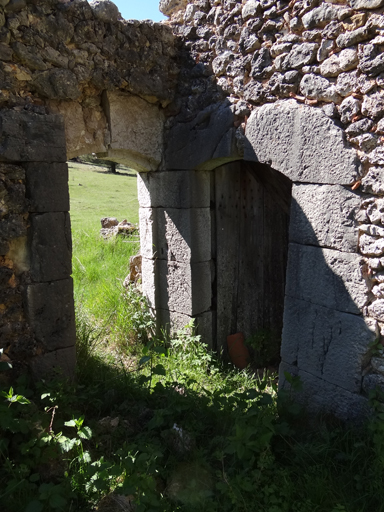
{"x":164,"y":421}
{"x":96,"y":193}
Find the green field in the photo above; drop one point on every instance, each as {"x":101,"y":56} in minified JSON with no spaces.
{"x":97,"y":193}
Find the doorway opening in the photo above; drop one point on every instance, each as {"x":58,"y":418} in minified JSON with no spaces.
{"x":250,"y":244}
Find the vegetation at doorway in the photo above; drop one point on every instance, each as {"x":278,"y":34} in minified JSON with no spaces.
{"x":154,"y":423}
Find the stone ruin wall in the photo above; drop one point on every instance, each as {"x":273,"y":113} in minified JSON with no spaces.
{"x":266,"y":60}
{"x":75,"y":78}
{"x":215,"y":77}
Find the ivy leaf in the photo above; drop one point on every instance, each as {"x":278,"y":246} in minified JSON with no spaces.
{"x":70,"y":423}
{"x":144,"y":360}
{"x":85,"y":433}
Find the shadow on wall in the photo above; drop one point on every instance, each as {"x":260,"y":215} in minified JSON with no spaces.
{"x":325,"y":337}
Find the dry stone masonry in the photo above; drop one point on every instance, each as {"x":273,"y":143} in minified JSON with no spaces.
{"x":257,"y":129}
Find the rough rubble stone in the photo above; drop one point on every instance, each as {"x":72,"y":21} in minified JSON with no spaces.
{"x":371,"y":59}
{"x":105,"y":10}
{"x":346,"y":83}
{"x":251,"y":9}
{"x":319,"y":16}
{"x":308,"y":146}
{"x":343,"y":61}
{"x":375,"y":212}
{"x":57,"y":84}
{"x":314,"y":86}
{"x":169,"y":7}
{"x":353,"y":37}
{"x":373,"y":181}
{"x":373,"y":105}
{"x":366,"y":4}
{"x":349,"y":108}
{"x":371,"y":246}
{"x":300,"y":55}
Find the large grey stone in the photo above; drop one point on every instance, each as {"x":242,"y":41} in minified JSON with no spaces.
{"x":371,"y":245}
{"x":319,"y":396}
{"x":26,"y":137}
{"x":371,"y":59}
{"x":301,"y":142}
{"x":209,"y":133}
{"x":180,"y":287}
{"x":327,"y":343}
{"x":324,"y":215}
{"x":326,"y":277}
{"x":174,"y":189}
{"x":50,"y":246}
{"x":176,"y":234}
{"x":51,"y":314}
{"x":347,"y":83}
{"x":136,"y":131}
{"x":47,"y":187}
{"x":349,"y":108}
{"x":60,"y":362}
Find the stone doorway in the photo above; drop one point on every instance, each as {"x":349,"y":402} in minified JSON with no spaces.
{"x":250,"y":245}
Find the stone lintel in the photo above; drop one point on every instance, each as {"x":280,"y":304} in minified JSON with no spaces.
{"x":174,"y":189}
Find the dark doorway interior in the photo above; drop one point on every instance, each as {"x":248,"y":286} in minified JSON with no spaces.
{"x":250,"y":244}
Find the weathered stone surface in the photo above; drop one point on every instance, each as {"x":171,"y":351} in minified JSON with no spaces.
{"x":376,"y":309}
{"x":251,"y":9}
{"x":320,"y":396}
{"x":211,"y":132}
{"x":353,"y":37}
{"x":358,"y":127}
{"x":314,"y":339}
{"x":324,"y":215}
{"x":373,"y":181}
{"x":300,"y":55}
{"x":51,"y":364}
{"x":180,"y":287}
{"x":57,"y":84}
{"x":371,"y":246}
{"x":366,"y":142}
{"x":308,"y":146}
{"x":26,"y":137}
{"x":320,"y":15}
{"x":12,"y":226}
{"x":47,"y":187}
{"x":314,"y":86}
{"x":51,"y":313}
{"x":136,"y":131}
{"x":51,"y":247}
{"x":168,"y":7}
{"x":86,"y":129}
{"x":343,"y":61}
{"x":371,"y":60}
{"x":376,"y":157}
{"x":175,"y":234}
{"x":366,"y":4}
{"x":337,"y":283}
{"x":349,"y":108}
{"x":373,"y":105}
{"x":326,"y":46}
{"x":375,"y":212}
{"x":105,"y":10}
{"x":174,"y":189}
